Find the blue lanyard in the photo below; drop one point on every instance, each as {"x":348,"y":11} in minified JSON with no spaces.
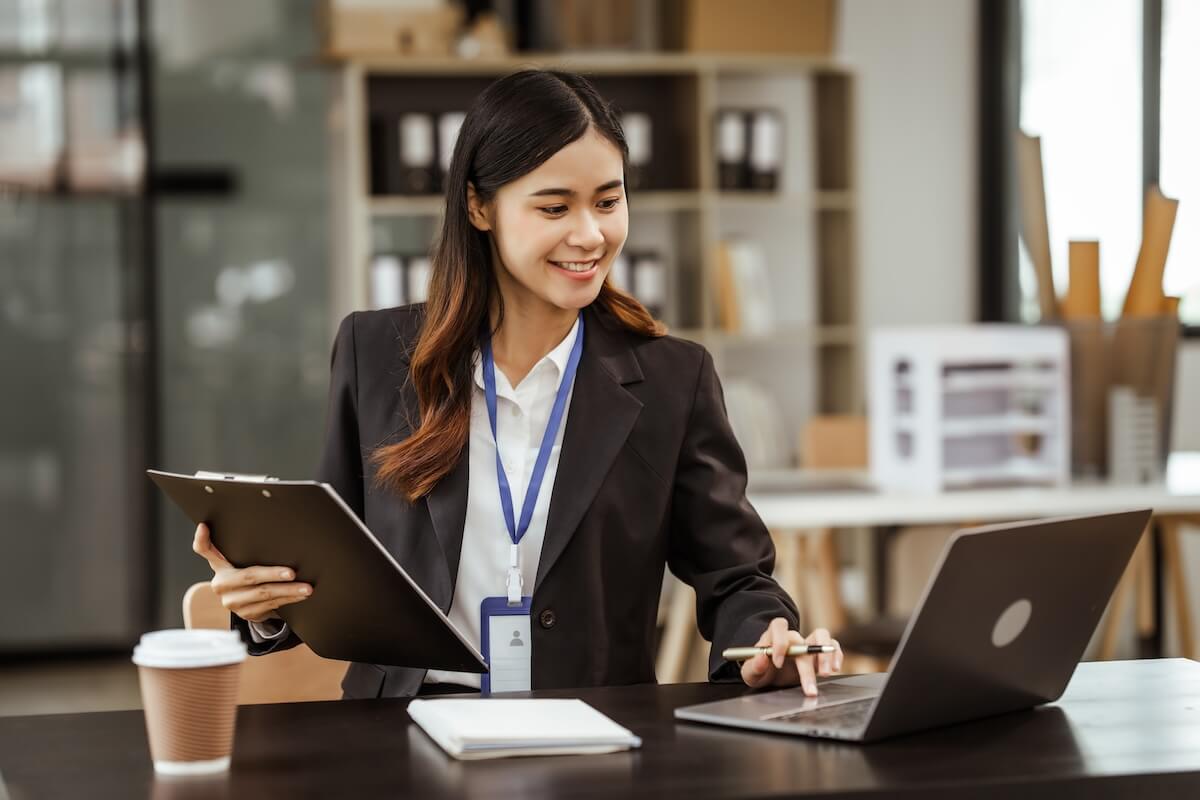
{"x":516,"y":532}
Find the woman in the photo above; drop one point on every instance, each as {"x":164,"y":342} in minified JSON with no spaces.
{"x":532,"y":402}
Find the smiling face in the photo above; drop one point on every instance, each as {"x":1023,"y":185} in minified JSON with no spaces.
{"x":556,"y":230}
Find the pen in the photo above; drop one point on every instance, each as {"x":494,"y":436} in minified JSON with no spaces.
{"x":743,"y":653}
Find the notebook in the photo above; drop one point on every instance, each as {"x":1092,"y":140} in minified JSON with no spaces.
{"x":496,"y":728}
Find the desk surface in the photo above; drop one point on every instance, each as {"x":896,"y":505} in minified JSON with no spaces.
{"x":1121,"y":726}
{"x":782,"y":509}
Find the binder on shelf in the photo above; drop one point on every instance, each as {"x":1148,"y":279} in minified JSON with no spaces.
{"x":639,"y":135}
{"x":382,"y":147}
{"x":766,"y":150}
{"x":619,"y":273}
{"x":418,"y":272}
{"x":448,"y":126}
{"x":387,"y":281}
{"x":731,"y":149}
{"x":416,"y":164}
{"x":397,"y":280}
{"x":750,"y":149}
{"x":649,"y":281}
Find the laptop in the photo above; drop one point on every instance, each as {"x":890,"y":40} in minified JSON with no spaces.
{"x":1000,"y":627}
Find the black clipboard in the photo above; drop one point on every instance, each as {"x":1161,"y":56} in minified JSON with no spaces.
{"x":364,"y":606}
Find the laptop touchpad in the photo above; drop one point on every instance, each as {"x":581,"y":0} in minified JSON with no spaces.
{"x":767,"y":705}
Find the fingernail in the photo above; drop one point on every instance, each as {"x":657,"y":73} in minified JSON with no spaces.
{"x":305,"y":590}
{"x":777,"y":659}
{"x":810,"y":689}
{"x":286,"y":574}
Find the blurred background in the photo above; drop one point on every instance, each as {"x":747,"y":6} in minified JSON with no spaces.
{"x":194,"y":192}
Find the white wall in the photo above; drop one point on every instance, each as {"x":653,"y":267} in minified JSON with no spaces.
{"x":915,"y":67}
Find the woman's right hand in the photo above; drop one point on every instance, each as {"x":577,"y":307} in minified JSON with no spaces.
{"x":252,"y":593}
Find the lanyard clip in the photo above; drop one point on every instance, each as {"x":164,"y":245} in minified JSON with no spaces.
{"x":514,"y":583}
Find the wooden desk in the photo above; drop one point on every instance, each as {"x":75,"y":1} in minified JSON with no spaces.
{"x":1123,"y":729}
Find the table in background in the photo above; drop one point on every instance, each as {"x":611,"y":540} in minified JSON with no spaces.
{"x":808,"y":514}
{"x":1123,"y":728}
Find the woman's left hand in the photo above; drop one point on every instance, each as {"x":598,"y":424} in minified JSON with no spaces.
{"x":779,"y":670}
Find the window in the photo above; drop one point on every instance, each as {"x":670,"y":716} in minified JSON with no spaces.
{"x":1082,"y":85}
{"x":1179,"y":153}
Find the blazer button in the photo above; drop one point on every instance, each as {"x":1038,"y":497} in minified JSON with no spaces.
{"x":547,"y":619}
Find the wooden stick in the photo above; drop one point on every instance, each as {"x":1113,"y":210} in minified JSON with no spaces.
{"x":1145,"y":295}
{"x":1034,"y":227}
{"x":1083,"y":290}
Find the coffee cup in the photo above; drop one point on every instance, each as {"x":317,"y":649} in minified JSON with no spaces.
{"x":189,"y":683}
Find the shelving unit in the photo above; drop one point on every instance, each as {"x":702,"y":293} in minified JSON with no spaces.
{"x":812,"y":361}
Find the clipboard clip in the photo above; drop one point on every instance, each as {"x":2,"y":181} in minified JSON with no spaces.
{"x":232,"y":476}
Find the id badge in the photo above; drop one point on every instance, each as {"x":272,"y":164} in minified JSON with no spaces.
{"x":507,"y":648}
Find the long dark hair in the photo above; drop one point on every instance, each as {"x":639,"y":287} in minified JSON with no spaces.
{"x":515,"y":125}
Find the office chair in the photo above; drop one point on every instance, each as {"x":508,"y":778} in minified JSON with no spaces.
{"x":290,"y":676}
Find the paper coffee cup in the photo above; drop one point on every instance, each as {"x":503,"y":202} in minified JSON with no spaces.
{"x":189,"y":681}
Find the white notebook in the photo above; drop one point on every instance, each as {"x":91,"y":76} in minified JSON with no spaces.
{"x":495,"y":728}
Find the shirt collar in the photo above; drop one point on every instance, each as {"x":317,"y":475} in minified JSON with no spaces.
{"x":559,"y":356}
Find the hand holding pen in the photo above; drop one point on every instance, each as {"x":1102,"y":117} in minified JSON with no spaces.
{"x":775,"y":665}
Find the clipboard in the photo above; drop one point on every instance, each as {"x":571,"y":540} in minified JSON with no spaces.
{"x":364,"y":606}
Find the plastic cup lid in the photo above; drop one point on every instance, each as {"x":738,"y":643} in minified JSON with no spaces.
{"x":181,"y":648}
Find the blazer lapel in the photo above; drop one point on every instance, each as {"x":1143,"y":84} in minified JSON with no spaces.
{"x":448,"y":510}
{"x":601,"y":416}
{"x":447,"y":503}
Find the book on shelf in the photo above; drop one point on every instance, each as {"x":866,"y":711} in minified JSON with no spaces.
{"x":743,"y":287}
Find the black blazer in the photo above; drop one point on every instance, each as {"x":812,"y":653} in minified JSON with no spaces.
{"x":649,"y":474}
